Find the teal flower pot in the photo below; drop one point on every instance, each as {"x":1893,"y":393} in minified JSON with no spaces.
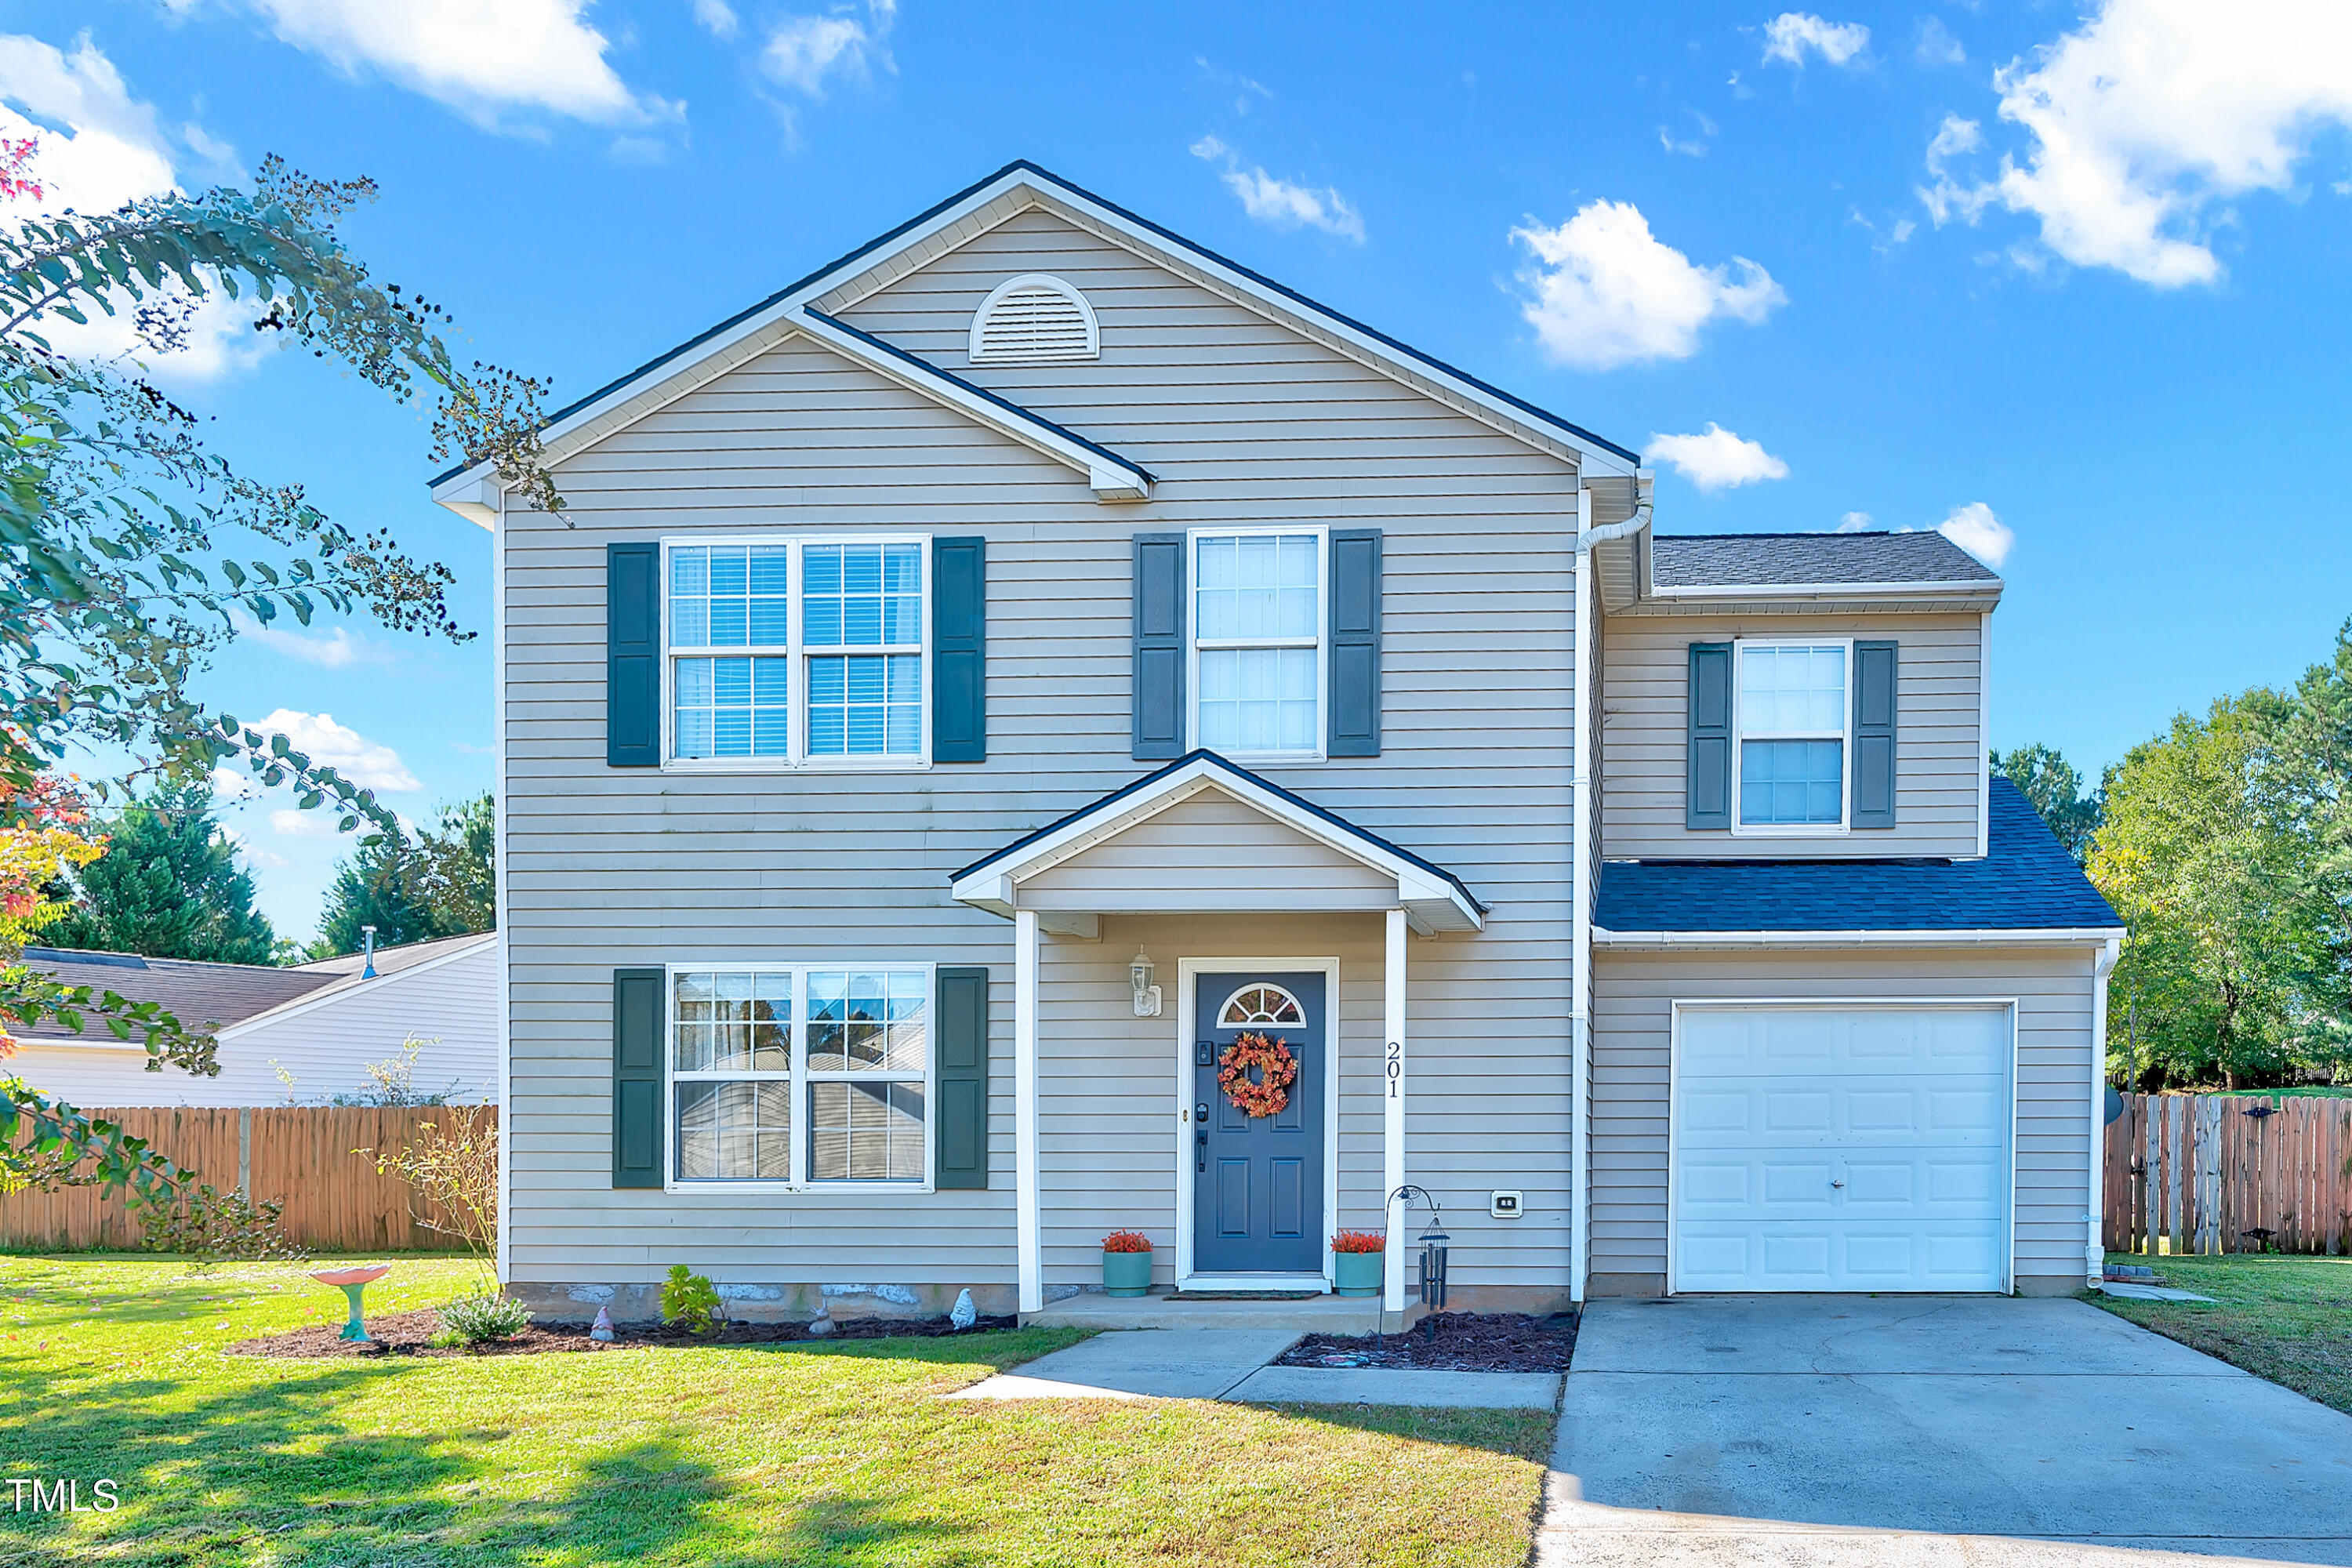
{"x":1357,"y":1273}
{"x":1126,"y":1273}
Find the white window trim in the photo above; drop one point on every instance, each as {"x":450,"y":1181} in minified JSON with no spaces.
{"x":1320,"y":642}
{"x":797,"y":653}
{"x":1841,"y":828}
{"x":1226,"y":1005}
{"x":800,"y":1182}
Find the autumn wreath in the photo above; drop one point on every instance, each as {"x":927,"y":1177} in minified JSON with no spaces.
{"x":1278,"y":1070}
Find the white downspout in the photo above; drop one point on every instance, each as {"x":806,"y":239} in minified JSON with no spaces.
{"x":2096,"y":1209}
{"x":501,"y":866}
{"x":1580,"y":870}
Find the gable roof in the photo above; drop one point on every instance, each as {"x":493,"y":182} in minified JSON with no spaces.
{"x":1812,"y":560}
{"x":458,"y":486}
{"x":2028,"y":882}
{"x":1434,"y":897}
{"x":218,"y":996}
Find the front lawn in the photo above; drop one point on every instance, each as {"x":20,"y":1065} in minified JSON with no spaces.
{"x":833,"y":1455}
{"x":2285,"y":1318}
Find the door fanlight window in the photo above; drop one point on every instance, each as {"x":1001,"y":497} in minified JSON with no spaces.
{"x":1254,"y":1005}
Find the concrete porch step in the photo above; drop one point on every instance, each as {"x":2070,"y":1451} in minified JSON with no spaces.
{"x":1318,"y":1315}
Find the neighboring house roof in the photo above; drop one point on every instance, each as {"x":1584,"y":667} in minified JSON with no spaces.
{"x":2027,"y":882}
{"x":208,"y":995}
{"x":568,"y":424}
{"x":1811,"y":560}
{"x":346,"y":973}
{"x":216,"y":995}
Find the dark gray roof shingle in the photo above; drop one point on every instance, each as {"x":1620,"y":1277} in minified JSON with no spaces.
{"x":1694,"y":560}
{"x":2027,"y":882}
{"x":201,"y":996}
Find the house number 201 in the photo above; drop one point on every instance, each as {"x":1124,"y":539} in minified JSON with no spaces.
{"x":1396,"y":1067}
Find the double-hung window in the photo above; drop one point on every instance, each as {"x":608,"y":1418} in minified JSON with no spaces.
{"x":807,"y":1076}
{"x":797,"y":652}
{"x":1257,"y":622}
{"x":1793,"y":760}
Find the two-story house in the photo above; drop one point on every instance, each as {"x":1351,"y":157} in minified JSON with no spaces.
{"x":982,"y":693}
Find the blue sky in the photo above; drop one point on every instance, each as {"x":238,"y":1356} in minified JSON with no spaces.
{"x":2070,"y":282}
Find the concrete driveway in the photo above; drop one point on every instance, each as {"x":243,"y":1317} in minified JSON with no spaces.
{"x":1800,"y":1431}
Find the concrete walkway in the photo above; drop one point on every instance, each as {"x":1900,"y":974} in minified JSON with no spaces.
{"x":1231,"y":1364}
{"x":1911,"y":1432}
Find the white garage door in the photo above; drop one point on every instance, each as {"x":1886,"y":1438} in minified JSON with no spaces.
{"x":1840,"y":1148}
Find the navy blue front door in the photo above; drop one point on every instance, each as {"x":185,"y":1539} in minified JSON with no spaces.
{"x":1257,"y":1180}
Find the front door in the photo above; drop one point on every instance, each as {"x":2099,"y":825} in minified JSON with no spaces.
{"x":1257,"y":1180}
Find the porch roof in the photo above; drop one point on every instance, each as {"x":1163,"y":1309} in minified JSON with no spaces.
{"x":1433,"y":897}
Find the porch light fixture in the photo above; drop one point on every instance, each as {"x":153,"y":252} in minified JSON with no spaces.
{"x":1146,"y":994}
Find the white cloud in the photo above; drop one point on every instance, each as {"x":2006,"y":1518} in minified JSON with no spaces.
{"x":1717,"y":459}
{"x":1947,"y":197}
{"x":1280,"y":202}
{"x":95,"y":148}
{"x":319,"y":737}
{"x":1854,"y":522}
{"x":2154,"y":111}
{"x":1937,"y":46}
{"x":803,"y":52}
{"x":1975,"y":529}
{"x":1789,"y":36}
{"x":718,"y":18}
{"x":1606,"y":292}
{"x":254,"y":855}
{"x":289,"y":823}
{"x":334,"y":649}
{"x":476,"y":58}
{"x":1695,"y":147}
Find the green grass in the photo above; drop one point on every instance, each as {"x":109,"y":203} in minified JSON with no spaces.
{"x":2285,"y":1318}
{"x":817,"y":1456}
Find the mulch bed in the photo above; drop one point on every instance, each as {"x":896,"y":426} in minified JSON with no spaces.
{"x":1450,"y":1342}
{"x":407,"y":1334}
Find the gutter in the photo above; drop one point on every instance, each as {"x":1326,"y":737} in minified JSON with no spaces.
{"x":2094,"y":1206}
{"x":2023,"y":936}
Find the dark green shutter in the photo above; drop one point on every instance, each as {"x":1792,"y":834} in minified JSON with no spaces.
{"x":1159,"y":696}
{"x":961,"y":1129}
{"x":1706,"y":793}
{"x":1355,"y":720}
{"x":633,"y":655}
{"x":958,"y":650}
{"x":1874,"y":734}
{"x":636,"y":1078}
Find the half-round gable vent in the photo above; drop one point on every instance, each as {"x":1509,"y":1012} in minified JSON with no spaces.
{"x":1034,"y":317}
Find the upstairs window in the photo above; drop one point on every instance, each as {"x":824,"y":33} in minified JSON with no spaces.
{"x":1257,"y":632}
{"x":1793,"y":718}
{"x":797,"y":651}
{"x":1033,"y":317}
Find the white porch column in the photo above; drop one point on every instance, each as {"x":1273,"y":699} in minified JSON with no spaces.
{"x":1392,"y":1109}
{"x":1024,"y":1108}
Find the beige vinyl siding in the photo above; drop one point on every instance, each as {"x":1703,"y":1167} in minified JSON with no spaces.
{"x":1211,"y":853}
{"x":1632,"y":1009}
{"x":1243,"y":421}
{"x":1939,"y":758}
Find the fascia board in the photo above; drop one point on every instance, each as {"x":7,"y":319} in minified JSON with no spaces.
{"x":2028,"y":936}
{"x":1976,"y":587}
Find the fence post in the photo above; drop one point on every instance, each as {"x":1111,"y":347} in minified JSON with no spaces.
{"x":245,"y":1152}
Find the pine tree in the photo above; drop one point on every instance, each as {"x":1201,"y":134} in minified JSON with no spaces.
{"x":167,"y":886}
{"x":442,"y":883}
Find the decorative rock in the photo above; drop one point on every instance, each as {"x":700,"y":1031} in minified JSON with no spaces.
{"x":964,"y":1314}
{"x":822,"y":1326}
{"x":601,"y":1330}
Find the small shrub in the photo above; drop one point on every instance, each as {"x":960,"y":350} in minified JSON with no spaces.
{"x":1127,"y":1241}
{"x":212,"y":1226}
{"x":477,"y":1319}
{"x":690,"y":1300}
{"x":447,"y":1340}
{"x":1359,"y":1241}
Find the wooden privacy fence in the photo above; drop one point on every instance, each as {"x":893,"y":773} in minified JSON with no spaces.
{"x":299,"y":1155}
{"x":2197,"y":1174}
